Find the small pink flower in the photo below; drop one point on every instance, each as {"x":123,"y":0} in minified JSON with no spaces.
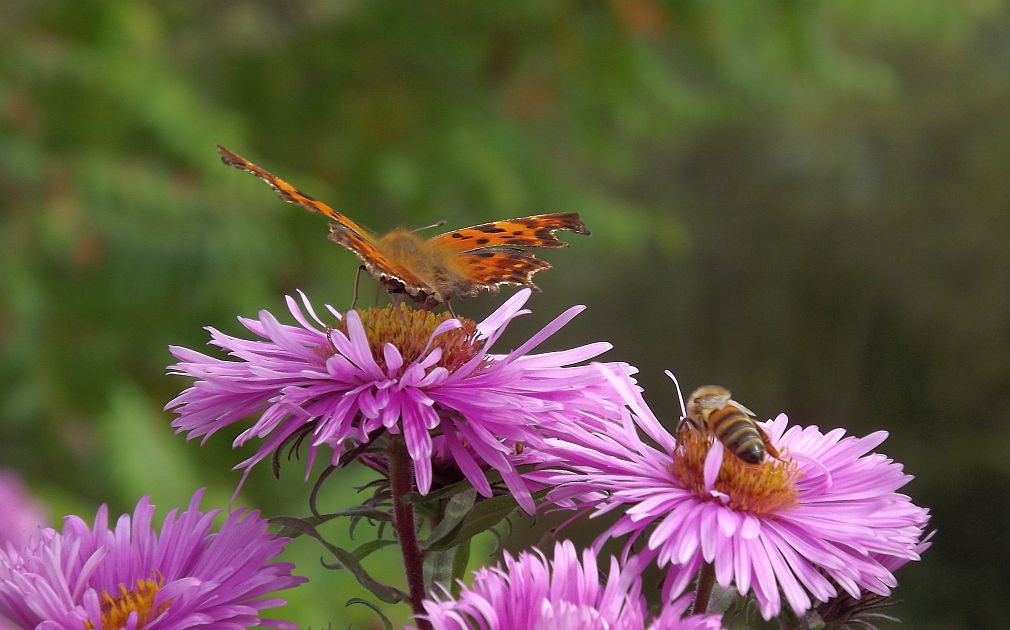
{"x":403,"y":371}
{"x":130,"y":577}
{"x":533,"y":593}
{"x":830,"y":514}
{"x":20,"y":515}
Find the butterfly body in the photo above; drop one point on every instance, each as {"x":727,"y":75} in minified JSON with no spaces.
{"x":439,"y":268}
{"x":455,"y":265}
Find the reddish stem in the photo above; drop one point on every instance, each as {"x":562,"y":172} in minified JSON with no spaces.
{"x":401,"y":482}
{"x":706,"y":581}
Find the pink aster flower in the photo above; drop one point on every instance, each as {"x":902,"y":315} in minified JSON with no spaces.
{"x":21,"y":515}
{"x":829,"y":514}
{"x":129,"y":577}
{"x":846,"y":611}
{"x":533,"y":593}
{"x":394,"y":369}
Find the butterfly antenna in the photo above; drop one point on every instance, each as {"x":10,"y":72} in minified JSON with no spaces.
{"x":357,"y":280}
{"x":436,"y":224}
{"x":680,"y":394}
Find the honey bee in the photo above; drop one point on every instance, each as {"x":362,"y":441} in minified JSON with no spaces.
{"x":712,"y":410}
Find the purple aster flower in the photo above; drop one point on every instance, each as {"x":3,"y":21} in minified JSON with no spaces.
{"x":846,"y":611}
{"x":672,"y":617}
{"x":21,"y":516}
{"x":829,"y":514}
{"x":404,"y":371}
{"x":129,"y":577}
{"x":533,"y":593}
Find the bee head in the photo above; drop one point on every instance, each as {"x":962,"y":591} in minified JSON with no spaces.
{"x":705,"y":399}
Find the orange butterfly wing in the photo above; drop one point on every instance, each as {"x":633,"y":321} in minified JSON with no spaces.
{"x":286,"y":191}
{"x":343,"y":230}
{"x":534,"y":231}
{"x":488,"y":269}
{"x":496,"y":253}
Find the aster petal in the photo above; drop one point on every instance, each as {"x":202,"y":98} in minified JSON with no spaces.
{"x":644,"y":417}
{"x":357,"y":349}
{"x":556,"y":324}
{"x":394,"y":360}
{"x":713,"y":462}
{"x":296,"y":312}
{"x":504,"y":313}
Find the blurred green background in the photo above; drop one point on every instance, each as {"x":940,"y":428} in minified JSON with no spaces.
{"x":805,"y":201}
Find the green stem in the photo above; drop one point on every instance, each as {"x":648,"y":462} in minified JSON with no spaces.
{"x":400,"y":483}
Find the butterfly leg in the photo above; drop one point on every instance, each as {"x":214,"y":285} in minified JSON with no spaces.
{"x":396,"y":299}
{"x":357,"y":280}
{"x":448,"y":305}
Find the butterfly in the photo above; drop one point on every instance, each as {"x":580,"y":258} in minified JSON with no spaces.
{"x":455,"y":265}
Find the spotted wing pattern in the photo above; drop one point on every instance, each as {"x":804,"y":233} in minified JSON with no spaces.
{"x":343,"y":230}
{"x":489,"y":268}
{"x":380,"y":266}
{"x":287,"y":192}
{"x":535,"y":231}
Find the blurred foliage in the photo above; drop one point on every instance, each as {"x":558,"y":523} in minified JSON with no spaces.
{"x":806,"y":201}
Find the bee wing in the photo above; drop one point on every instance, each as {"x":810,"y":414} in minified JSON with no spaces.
{"x":713,"y":402}
{"x":743,"y":409}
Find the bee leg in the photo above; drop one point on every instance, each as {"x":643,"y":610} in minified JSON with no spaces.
{"x":683,"y":427}
{"x":767,"y":441}
{"x":329,"y":338}
{"x":436,"y":224}
{"x":357,"y":280}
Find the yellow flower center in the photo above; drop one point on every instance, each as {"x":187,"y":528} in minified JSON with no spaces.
{"x":755,"y":488}
{"x":116,"y":609}
{"x":409,"y":331}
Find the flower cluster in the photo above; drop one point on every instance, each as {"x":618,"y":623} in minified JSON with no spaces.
{"x":396,"y":370}
{"x":531,"y":592}
{"x":128,"y":576}
{"x":421,"y":398}
{"x":827,"y":516}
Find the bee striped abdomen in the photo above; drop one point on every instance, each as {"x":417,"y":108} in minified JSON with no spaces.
{"x":737,"y":431}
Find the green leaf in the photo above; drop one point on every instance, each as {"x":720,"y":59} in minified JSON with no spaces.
{"x":443,"y":493}
{"x":364,"y":550}
{"x":456,"y":510}
{"x":459,"y":564}
{"x":358,"y":511}
{"x":386,"y":623}
{"x":388,"y":594}
{"x":287,"y":531}
{"x":346,"y":559}
{"x":365,"y":511}
{"x":485,"y":515}
{"x":443,"y":566}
